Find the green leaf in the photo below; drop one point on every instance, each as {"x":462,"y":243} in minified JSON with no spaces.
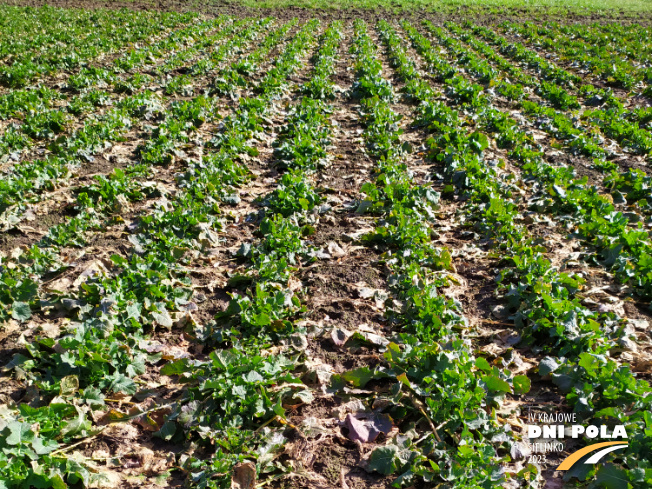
{"x":479,"y":141}
{"x":482,"y":364}
{"x":252,"y":377}
{"x":465,"y":450}
{"x":359,"y":377}
{"x":19,"y":433}
{"x":93,"y":396}
{"x":78,"y":425}
{"x":21,"y":311}
{"x":521,"y":384}
{"x":337,"y":383}
{"x":18,"y":360}
{"x":647,"y":416}
{"x":120,"y":383}
{"x":589,"y":362}
{"x":44,"y":448}
{"x":496,"y":384}
{"x":175,"y":368}
{"x":384,"y":460}
{"x":162,"y":318}
{"x":579,"y":471}
{"x":559,"y":190}
{"x":305,"y":396}
{"x":134,"y":310}
{"x":167,"y":430}
{"x":547,"y":366}
{"x":119,"y":260}
{"x":261,"y":319}
{"x":57,"y":482}
{"x":611,"y":477}
{"x":563,"y":381}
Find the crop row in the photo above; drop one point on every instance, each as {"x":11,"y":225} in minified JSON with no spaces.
{"x":626,"y":126}
{"x":47,"y":113}
{"x":248,"y":389}
{"x":204,"y":101}
{"x":540,"y":175}
{"x":107,"y":344}
{"x":435,"y":379}
{"x":543,"y":298}
{"x":38,"y":42}
{"x":622,"y":248}
{"x":105,"y":196}
{"x":27,"y":181}
{"x":594,"y":52}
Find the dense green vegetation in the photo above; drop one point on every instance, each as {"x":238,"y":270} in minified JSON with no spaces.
{"x":171,"y":183}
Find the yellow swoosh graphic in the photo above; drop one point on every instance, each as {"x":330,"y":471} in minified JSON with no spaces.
{"x":574,"y":457}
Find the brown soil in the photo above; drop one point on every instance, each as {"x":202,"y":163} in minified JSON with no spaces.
{"x":477,"y":14}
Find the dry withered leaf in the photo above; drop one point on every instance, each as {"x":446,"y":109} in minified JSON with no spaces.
{"x":335,"y":250}
{"x":149,"y":420}
{"x":354,"y":406}
{"x":93,"y":269}
{"x":244,"y":476}
{"x":366,"y":427}
{"x":519,"y":450}
{"x":340,"y":336}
